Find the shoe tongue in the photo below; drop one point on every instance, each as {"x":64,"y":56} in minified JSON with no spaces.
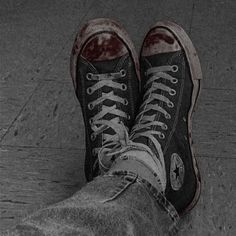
{"x":163,"y":59}
{"x":114,"y":119}
{"x":142,"y":140}
{"x":107,"y":66}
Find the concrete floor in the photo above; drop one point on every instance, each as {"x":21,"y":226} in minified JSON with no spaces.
{"x":41,"y":128}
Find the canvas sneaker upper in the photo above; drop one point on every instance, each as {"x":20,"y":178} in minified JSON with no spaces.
{"x":170,"y":88}
{"x":106,"y":84}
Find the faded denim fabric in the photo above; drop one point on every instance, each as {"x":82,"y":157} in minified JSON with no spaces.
{"x":114,"y":204}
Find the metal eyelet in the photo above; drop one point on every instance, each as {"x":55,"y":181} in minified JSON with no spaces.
{"x":90,"y":106}
{"x":91,"y":121}
{"x":89,"y":91}
{"x":167,"y":116}
{"x":172,"y":92}
{"x":170,"y":104}
{"x":124,"y":157}
{"x":89,"y":76}
{"x":174,"y":81}
{"x":164,"y":127}
{"x":161,"y":136}
{"x":94,"y":152}
{"x":128,"y":117}
{"x":123,"y":72}
{"x":175,"y":68}
{"x":93,"y":136}
{"x":123,"y":87}
{"x":126,"y":102}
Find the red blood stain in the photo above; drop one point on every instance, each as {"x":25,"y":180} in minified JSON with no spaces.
{"x":108,"y":47}
{"x":83,"y":30}
{"x":156,"y":38}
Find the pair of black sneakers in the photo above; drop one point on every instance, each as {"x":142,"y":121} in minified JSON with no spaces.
{"x":148,"y":100}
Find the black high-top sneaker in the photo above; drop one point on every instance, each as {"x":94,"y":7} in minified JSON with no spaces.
{"x":105,"y":74}
{"x":171,"y":74}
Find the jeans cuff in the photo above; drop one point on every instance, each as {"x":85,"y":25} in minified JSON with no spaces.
{"x":158,"y":196}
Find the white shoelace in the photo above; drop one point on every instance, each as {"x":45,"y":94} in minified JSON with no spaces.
{"x":144,"y":123}
{"x":98,"y":123}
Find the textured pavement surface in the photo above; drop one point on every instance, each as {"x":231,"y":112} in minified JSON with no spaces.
{"x":41,"y":128}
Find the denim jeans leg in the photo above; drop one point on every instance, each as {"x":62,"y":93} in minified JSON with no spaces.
{"x":114,"y":204}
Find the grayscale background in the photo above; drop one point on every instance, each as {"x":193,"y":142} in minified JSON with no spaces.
{"x":41,"y":129}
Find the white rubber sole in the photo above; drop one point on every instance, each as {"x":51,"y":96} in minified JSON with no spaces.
{"x":196,"y":76}
{"x":92,"y":28}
